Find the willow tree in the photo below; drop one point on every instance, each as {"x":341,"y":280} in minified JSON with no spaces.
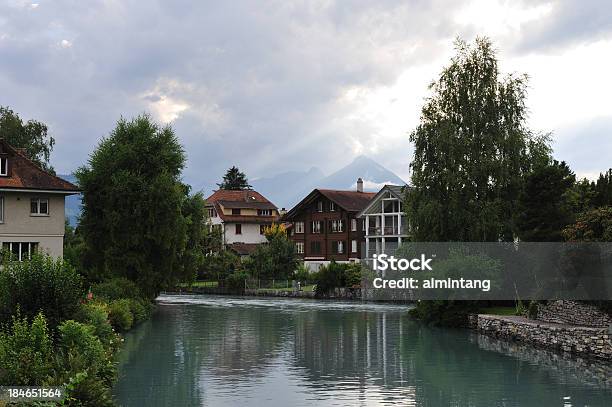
{"x":139,"y":220}
{"x":472,"y":148}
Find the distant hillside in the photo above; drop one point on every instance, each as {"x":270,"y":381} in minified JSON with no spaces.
{"x":287,"y":189}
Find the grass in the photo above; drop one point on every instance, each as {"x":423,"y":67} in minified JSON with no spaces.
{"x":498,"y":311}
{"x":308,"y":288}
{"x":201,"y":284}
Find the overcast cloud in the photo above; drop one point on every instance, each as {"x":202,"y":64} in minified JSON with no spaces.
{"x":277,"y":86}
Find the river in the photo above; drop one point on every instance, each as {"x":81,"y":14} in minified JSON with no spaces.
{"x":225,"y":351}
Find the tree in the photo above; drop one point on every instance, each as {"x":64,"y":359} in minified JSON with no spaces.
{"x":31,"y":136}
{"x":602,"y":190}
{"x":544,"y":203}
{"x":275,"y":259}
{"x":592,"y":226}
{"x":138,"y":220}
{"x":234,"y":180}
{"x":472,"y":148}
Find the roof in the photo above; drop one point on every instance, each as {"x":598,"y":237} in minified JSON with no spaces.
{"x":395,"y":190}
{"x":246,"y":198}
{"x":243,"y":249}
{"x":350,"y":201}
{"x":23,"y":173}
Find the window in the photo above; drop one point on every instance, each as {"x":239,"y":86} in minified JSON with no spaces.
{"x":363,"y":223}
{"x":316,"y":226}
{"x":320,"y":206}
{"x":212,"y":213}
{"x":315,"y":247}
{"x":332,"y":207}
{"x":235,"y":211}
{"x":354,"y":225}
{"x":264,"y":212}
{"x":353,"y":246}
{"x":39,"y":206}
{"x":238,"y":229}
{"x":3,"y":166}
{"x":299,"y":227}
{"x":299,"y":247}
{"x":1,"y":209}
{"x":338,"y":247}
{"x":337,"y":225}
{"x":262,"y":229}
{"x":20,"y":250}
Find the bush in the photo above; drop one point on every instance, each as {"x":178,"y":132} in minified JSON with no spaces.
{"x":140,"y":309}
{"x":120,"y":315}
{"x":80,"y":341}
{"x":40,"y":284}
{"x":235,"y":282}
{"x":116,"y":289}
{"x":336,"y":275}
{"x":96,"y":315}
{"x":443,"y":312}
{"x":26,"y":353}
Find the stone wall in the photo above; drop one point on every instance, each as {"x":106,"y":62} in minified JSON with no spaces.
{"x":573,"y":313}
{"x":584,"y":341}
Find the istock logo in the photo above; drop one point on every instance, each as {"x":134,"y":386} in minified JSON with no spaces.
{"x":383,"y":262}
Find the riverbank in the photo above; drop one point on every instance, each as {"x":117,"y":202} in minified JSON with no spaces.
{"x":591,"y":342}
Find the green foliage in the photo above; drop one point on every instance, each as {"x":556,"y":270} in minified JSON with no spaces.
{"x":444,"y":313}
{"x":77,"y":338}
{"x":544,"y":204}
{"x":218,"y":265}
{"x":592,"y":226}
{"x":532,"y":310}
{"x":74,"y":247}
{"x":120,"y":314}
{"x":137,"y":217}
{"x":40,"y":284}
{"x":235,"y":281}
{"x":304,"y":274}
{"x":336,"y":275}
{"x":274,"y":260}
{"x":96,"y":315}
{"x":472,"y":148}
{"x":31,"y":136}
{"x":26,"y":354}
{"x":234,"y":180}
{"x":602,"y":190}
{"x":116,"y":288}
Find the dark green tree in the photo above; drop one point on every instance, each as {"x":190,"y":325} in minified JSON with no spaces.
{"x":591,"y":226}
{"x":472,"y":149}
{"x":602,"y":190}
{"x":234,"y":180}
{"x":138,"y":220}
{"x":544,"y":203}
{"x":30,"y":136}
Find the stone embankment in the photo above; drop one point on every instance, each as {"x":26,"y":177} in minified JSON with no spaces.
{"x":580,"y":340}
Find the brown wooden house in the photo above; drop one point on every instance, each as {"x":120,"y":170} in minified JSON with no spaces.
{"x":324,"y":225}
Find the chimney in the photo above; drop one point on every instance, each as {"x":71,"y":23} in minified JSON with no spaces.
{"x":359,"y":185}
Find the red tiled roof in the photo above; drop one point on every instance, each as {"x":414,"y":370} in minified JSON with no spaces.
{"x":243,"y":197}
{"x":24,"y":174}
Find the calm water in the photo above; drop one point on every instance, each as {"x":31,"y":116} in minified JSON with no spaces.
{"x":221,"y":351}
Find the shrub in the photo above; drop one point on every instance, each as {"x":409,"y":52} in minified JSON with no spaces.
{"x":96,"y":315}
{"x":80,"y":339}
{"x":532,"y":311}
{"x":336,"y":275}
{"x":445,"y":313}
{"x":235,"y":281}
{"x":120,"y":315}
{"x":117,"y":288}
{"x":26,"y":353}
{"x":140,"y":309}
{"x":40,"y":284}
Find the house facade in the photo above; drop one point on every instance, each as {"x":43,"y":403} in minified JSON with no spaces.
{"x":241,"y":216}
{"x":32,"y":216}
{"x":386,"y":226}
{"x":324,"y":226}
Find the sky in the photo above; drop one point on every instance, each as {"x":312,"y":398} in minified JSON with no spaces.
{"x":275,"y":86}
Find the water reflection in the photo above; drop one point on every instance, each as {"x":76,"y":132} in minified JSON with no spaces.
{"x":218,"y":351}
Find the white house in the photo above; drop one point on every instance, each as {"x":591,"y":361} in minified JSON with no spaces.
{"x":386,"y":226}
{"x":31,"y":206}
{"x":242,"y":216}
